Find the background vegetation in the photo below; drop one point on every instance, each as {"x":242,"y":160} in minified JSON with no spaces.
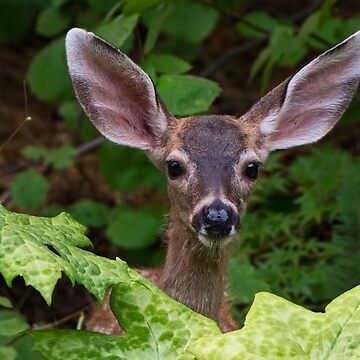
{"x":301,"y":236}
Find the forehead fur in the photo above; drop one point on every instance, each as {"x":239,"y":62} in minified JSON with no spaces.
{"x":214,"y":137}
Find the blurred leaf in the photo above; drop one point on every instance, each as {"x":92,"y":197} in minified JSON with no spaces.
{"x":90,"y":213}
{"x":11,"y":323}
{"x":117,"y":31}
{"x":52,"y":21}
{"x":166,"y":63}
{"x":103,"y":5}
{"x":260,"y":19}
{"x":325,"y":11}
{"x":52,"y":210}
{"x":244,"y":281}
{"x":28,"y":190}
{"x":5,"y":302}
{"x":16,"y":18}
{"x":48,"y":74}
{"x":309,"y":26}
{"x":76,"y":120}
{"x":137,"y":6}
{"x":136,"y":229}
{"x":189,"y":21}
{"x":7,"y":353}
{"x":127,"y":169}
{"x":59,"y":158}
{"x":24,"y":346}
{"x":186,"y":94}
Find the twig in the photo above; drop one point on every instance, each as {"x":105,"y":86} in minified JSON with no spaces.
{"x":63,"y":320}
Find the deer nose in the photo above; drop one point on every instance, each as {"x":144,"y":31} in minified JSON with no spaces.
{"x":219,"y":220}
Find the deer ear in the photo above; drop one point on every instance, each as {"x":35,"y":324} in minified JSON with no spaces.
{"x":306,"y":107}
{"x":117,"y":96}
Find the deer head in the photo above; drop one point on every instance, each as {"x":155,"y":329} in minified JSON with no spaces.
{"x":212,"y":161}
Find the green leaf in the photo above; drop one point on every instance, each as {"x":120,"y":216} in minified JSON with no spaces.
{"x":117,"y":31}
{"x":103,"y":5}
{"x":244,"y":281}
{"x":52,"y":21}
{"x":48,"y":74}
{"x":277,"y":329}
{"x":260,"y":19}
{"x":187,"y":94}
{"x":128,"y":169}
{"x":11,"y":323}
{"x":59,"y":158}
{"x":166,"y":63}
{"x":135,"y":229}
{"x":90,"y":213}
{"x":5,"y":302}
{"x":191,"y":22}
{"x":137,"y":6}
{"x":26,"y":248}
{"x":76,"y":121}
{"x":7,"y":353}
{"x":29,"y":189}
{"x":157,"y":327}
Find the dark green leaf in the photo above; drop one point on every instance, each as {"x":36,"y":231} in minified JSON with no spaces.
{"x":5,"y":302}
{"x":117,"y":31}
{"x":127,"y":169}
{"x":137,"y":6}
{"x":52,"y":21}
{"x":11,"y":323}
{"x":90,"y":213}
{"x":135,"y":229}
{"x":48,"y":74}
{"x":166,"y":63}
{"x":186,"y":94}
{"x":28,"y":190}
{"x":7,"y":353}
{"x":189,"y":21}
{"x":260,"y":19}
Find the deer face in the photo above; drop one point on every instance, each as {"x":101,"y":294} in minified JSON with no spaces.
{"x":211,"y":161}
{"x":211,"y":165}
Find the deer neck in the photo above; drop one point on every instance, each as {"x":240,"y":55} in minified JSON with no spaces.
{"x":194,"y":274}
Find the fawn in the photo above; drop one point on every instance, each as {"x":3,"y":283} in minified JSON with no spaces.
{"x":211,"y":161}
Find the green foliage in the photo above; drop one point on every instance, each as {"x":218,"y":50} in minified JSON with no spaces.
{"x":29,"y":189}
{"x":60,"y":158}
{"x":157,"y":326}
{"x":48,"y":75}
{"x":301,"y":231}
{"x":127,"y":169}
{"x":131,"y":229}
{"x":90,"y":213}
{"x":52,"y":21}
{"x":194,"y":95}
{"x":277,"y":329}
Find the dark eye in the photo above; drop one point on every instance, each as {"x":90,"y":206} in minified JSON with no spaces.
{"x":252,"y":169}
{"x":174,"y":168}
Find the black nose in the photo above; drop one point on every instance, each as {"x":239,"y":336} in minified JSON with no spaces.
{"x":218,"y":220}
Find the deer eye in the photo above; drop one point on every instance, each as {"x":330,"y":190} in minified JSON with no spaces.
{"x":174,"y":169}
{"x":252,"y":169}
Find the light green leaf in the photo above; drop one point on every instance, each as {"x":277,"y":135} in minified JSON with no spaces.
{"x":59,"y":158}
{"x":11,"y":323}
{"x":135,"y":229}
{"x":5,"y":302}
{"x":26,"y":248}
{"x":7,"y":353}
{"x":117,"y":31}
{"x":191,"y":22}
{"x":48,"y":74}
{"x":29,"y":189}
{"x":90,"y":213}
{"x":166,"y":63}
{"x":277,"y":329}
{"x":187,"y":94}
{"x":157,"y":327}
{"x":52,"y":21}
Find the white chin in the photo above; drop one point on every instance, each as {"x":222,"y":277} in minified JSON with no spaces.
{"x":215,"y":243}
